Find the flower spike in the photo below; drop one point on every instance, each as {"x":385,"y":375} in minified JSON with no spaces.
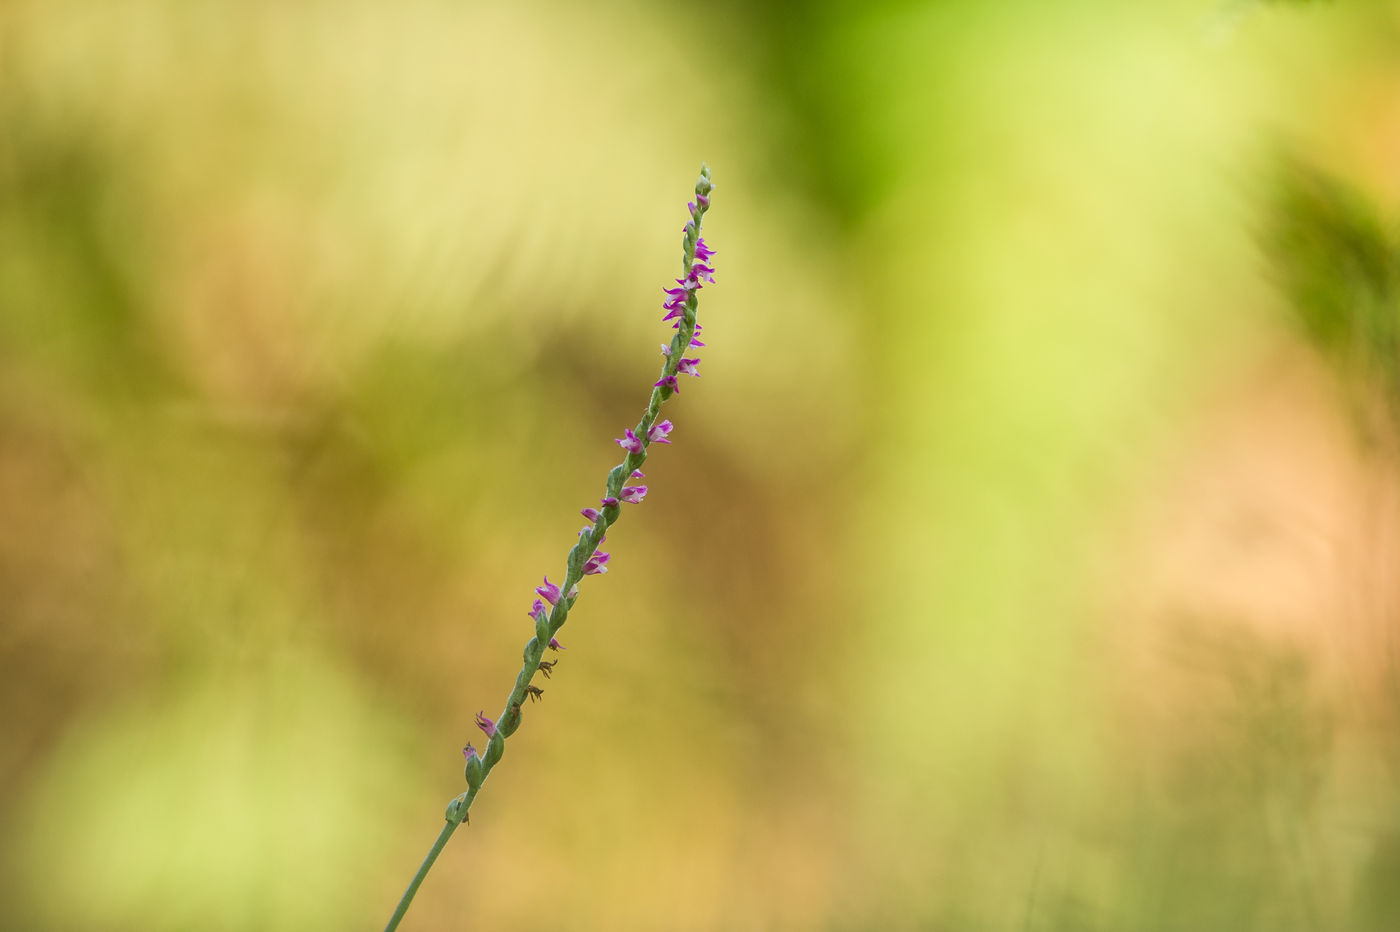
{"x":554,"y":602}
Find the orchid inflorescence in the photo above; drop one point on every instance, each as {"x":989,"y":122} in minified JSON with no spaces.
{"x":550,"y":609}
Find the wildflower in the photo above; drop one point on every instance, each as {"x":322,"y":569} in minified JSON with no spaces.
{"x":555,"y":645}
{"x":668,"y":381}
{"x":660,"y":432}
{"x":590,"y":513}
{"x":638,"y":474}
{"x":549,"y":592}
{"x":633,"y":494}
{"x":485,"y":724}
{"x":630,"y":442}
{"x":702,"y":252}
{"x":596,"y":564}
{"x":535,"y":609}
{"x":687,"y":367}
{"x":665,"y":349}
{"x":609,"y":502}
{"x":700,"y":272}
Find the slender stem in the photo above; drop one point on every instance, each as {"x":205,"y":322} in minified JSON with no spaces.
{"x":417,"y":881}
{"x":547,"y":624}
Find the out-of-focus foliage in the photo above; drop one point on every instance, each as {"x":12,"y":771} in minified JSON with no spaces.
{"x":1015,"y":564}
{"x":1339,"y":263}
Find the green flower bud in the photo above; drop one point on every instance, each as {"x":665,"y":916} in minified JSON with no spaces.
{"x":474,"y":774}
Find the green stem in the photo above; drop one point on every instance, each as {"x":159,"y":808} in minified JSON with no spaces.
{"x":423,"y":869}
{"x":547,"y":625}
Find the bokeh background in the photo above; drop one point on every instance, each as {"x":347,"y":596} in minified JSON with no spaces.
{"x":1025,"y":559}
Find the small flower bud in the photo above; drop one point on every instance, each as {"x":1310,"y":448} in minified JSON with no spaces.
{"x":494,"y":749}
{"x":474,"y":772}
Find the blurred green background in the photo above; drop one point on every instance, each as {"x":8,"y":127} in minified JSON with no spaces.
{"x":1025,"y":558}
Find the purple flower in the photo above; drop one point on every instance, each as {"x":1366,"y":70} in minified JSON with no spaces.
{"x":687,"y":367}
{"x":485,"y":724}
{"x":703,"y":200}
{"x":633,"y":494}
{"x":469,"y":752}
{"x":638,"y":474}
{"x":660,"y":432}
{"x":536,"y":608}
{"x":549,"y":592}
{"x":699,"y":273}
{"x":667,"y":382}
{"x":630,"y":443}
{"x":555,"y":645}
{"x":665,"y":349}
{"x":609,"y":502}
{"x":596,"y":564}
{"x":590,"y":513}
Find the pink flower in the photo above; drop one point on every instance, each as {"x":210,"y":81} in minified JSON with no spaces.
{"x":549,"y":592}
{"x":660,"y":432}
{"x":485,"y":724}
{"x":631,"y":442}
{"x":633,"y":494}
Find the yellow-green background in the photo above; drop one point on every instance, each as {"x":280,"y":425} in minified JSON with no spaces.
{"x":1017,"y":564}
